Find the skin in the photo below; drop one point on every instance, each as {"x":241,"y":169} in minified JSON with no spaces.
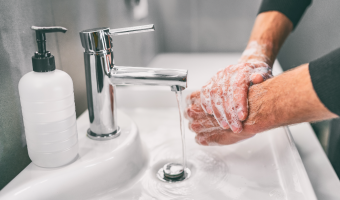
{"x":268,"y":34}
{"x":286,"y":99}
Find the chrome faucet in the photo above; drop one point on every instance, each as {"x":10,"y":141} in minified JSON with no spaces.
{"x":102,"y":76}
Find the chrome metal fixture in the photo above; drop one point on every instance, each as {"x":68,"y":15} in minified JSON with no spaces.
{"x":102,"y":76}
{"x":173,"y":170}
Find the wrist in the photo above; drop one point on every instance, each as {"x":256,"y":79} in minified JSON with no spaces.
{"x":283,"y":100}
{"x":259,"y":51}
{"x":269,"y":32}
{"x":263,"y":112}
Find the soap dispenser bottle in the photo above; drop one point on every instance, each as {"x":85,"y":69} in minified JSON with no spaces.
{"x":48,"y":109}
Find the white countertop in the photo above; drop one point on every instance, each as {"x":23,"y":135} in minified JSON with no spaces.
{"x":324,"y":180}
{"x":202,"y":66}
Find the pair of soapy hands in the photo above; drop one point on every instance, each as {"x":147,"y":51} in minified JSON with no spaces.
{"x":217,"y":111}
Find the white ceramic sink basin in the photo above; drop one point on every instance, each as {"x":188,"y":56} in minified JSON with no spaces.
{"x":267,"y":166}
{"x":103,"y":167}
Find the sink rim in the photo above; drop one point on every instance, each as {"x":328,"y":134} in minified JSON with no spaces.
{"x":94,"y":164}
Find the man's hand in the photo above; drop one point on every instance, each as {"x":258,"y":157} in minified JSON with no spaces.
{"x":206,"y":127}
{"x":225,"y":95}
{"x":286,"y":99}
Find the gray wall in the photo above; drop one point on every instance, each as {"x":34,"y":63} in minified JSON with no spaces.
{"x":317,"y":34}
{"x":224,"y":26}
{"x":206,"y":26}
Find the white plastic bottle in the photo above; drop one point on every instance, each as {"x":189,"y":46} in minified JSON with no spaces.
{"x":48,"y":109}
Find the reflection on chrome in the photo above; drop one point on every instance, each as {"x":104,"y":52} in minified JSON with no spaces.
{"x":102,"y":76}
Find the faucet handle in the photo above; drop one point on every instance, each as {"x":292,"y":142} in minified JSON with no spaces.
{"x":130,"y":30}
{"x":99,"y":39}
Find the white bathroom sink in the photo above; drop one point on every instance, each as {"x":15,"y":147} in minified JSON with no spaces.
{"x":103,"y":167}
{"x":266,"y":166}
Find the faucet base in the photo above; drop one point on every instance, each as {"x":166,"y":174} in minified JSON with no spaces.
{"x":107,"y":136}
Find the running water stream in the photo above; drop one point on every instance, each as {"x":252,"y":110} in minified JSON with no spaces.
{"x":178,"y":178}
{"x":180,"y":109}
{"x":174,"y":172}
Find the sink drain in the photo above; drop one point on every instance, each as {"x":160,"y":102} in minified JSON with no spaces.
{"x":173,"y":172}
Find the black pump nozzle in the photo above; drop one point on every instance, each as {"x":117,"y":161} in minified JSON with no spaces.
{"x":42,"y":60}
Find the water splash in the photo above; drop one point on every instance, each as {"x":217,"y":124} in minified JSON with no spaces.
{"x":207,"y":168}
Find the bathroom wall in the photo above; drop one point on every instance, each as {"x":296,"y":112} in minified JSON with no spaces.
{"x":224,"y":26}
{"x":17,"y":45}
{"x":317,"y":34}
{"x":206,"y":26}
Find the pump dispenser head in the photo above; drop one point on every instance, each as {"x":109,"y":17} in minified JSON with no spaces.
{"x":43,"y":61}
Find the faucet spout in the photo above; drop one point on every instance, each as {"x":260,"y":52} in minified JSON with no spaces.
{"x":148,"y":76}
{"x":102,"y":76}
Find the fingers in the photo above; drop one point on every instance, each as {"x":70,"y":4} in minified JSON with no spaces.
{"x":205,"y":98}
{"x":261,"y":72}
{"x":210,"y":133}
{"x":222,"y":102}
{"x":192,"y":98}
{"x":206,"y":140}
{"x":260,"y":77}
{"x":194,"y":109}
{"x":217,"y":103}
{"x":256,"y":78}
{"x":194,"y":112}
{"x":206,"y":92}
{"x":219,"y":137}
{"x":240,"y":93}
{"x":206,"y":125}
{"x":231,"y":115}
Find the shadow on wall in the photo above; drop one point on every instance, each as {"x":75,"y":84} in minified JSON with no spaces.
{"x":17,"y":45}
{"x":13,"y":151}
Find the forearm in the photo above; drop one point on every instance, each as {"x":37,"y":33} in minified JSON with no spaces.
{"x":285,"y":99}
{"x":269,"y":32}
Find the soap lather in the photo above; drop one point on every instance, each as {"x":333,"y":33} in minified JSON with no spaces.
{"x":48,"y":109}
